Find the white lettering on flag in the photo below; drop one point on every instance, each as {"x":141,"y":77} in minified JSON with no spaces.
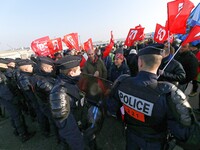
{"x":198,"y":34}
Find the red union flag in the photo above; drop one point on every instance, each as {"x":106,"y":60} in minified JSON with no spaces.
{"x":83,"y":60}
{"x":193,"y":35}
{"x":55,"y":45}
{"x":88,"y":45}
{"x":39,"y":46}
{"x":71,"y":40}
{"x":134,"y":35}
{"x":160,"y":34}
{"x":178,"y":13}
{"x":109,"y":46}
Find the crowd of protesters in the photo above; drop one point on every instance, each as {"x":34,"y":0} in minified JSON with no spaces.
{"x":26,"y":84}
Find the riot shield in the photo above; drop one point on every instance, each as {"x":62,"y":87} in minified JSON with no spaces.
{"x":95,"y":88}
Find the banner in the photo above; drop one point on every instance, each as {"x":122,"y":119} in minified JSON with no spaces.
{"x":160,"y":34}
{"x":55,"y":45}
{"x":135,"y":34}
{"x":39,"y":46}
{"x":88,"y":45}
{"x":193,"y":35}
{"x":109,"y":47}
{"x":178,"y":13}
{"x":71,"y":41}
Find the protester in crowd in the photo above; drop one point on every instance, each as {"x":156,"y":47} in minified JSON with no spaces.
{"x":94,"y":65}
{"x":132,"y":62}
{"x":189,"y":63}
{"x":152,"y":108}
{"x":107,"y":60}
{"x":196,"y":52}
{"x":57,"y":56}
{"x":173,"y":72}
{"x":118,"y":67}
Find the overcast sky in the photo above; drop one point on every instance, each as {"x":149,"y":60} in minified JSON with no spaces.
{"x":23,"y":21}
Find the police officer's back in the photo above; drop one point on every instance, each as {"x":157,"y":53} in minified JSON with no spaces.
{"x":152,"y":107}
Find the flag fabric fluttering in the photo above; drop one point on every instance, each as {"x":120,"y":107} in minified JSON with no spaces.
{"x":83,"y":60}
{"x":193,"y":35}
{"x":109,"y":46}
{"x":71,"y":41}
{"x":55,"y":45}
{"x":134,"y":34}
{"x":194,"y":19}
{"x":40,"y":47}
{"x":88,"y":45}
{"x":178,"y":13}
{"x":161,"y":34}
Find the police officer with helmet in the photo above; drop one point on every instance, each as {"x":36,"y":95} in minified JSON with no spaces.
{"x":152,"y":107}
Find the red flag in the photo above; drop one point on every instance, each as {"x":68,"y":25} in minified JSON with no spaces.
{"x":138,"y":27}
{"x":134,"y":35}
{"x":160,"y":34}
{"x":88,"y":45}
{"x":55,"y":45}
{"x":39,"y":46}
{"x":109,"y":46}
{"x":178,"y":13}
{"x":193,"y":35}
{"x":83,"y":60}
{"x":71,"y":40}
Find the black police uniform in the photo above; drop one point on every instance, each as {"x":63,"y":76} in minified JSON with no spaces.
{"x":43,"y":86}
{"x":26,"y":84}
{"x":151,"y":107}
{"x":63,"y":98}
{"x":11,"y":104}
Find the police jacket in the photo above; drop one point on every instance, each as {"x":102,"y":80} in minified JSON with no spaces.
{"x":12,"y":82}
{"x":5,"y":93}
{"x":26,"y":84}
{"x":174,"y":71}
{"x":147,"y":111}
{"x":43,"y":86}
{"x":63,"y":97}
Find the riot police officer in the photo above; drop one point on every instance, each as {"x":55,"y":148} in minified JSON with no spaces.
{"x":45,"y":79}
{"x":151,"y":107}
{"x":12,"y":105}
{"x":26,"y":83}
{"x":63,"y":99}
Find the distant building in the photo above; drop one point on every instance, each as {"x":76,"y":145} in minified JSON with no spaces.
{"x":19,"y":53}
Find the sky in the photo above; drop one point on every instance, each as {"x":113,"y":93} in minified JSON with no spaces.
{"x":23,"y":21}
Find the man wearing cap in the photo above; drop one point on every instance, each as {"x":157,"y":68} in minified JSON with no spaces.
{"x":64,"y":97}
{"x":151,"y":107}
{"x":118,"y":68}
